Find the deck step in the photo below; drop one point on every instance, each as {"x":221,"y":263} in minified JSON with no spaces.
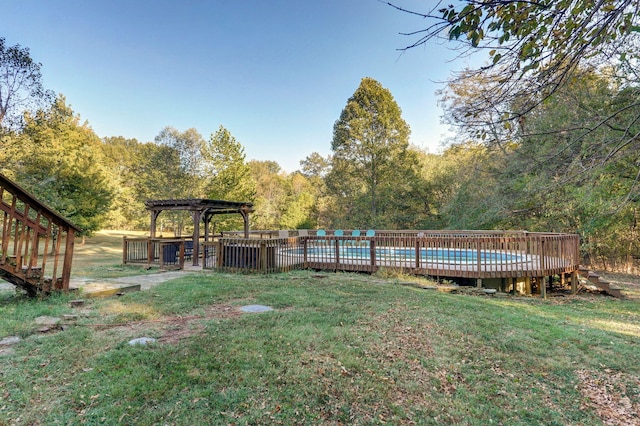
{"x":600,"y":283}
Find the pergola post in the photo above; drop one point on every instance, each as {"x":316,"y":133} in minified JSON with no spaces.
{"x":245,"y":216}
{"x":196,"y":236}
{"x":207,"y":223}
{"x":154,"y":218}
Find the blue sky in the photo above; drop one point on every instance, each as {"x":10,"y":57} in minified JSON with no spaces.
{"x":275,"y":73}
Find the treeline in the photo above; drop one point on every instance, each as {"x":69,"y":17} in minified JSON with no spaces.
{"x":496,"y":175}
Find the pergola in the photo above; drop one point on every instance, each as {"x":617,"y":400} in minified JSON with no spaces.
{"x":201,"y":210}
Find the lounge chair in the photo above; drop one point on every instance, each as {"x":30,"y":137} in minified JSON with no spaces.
{"x":370,"y":234}
{"x":339,"y":233}
{"x":321,"y":233}
{"x":354,"y":233}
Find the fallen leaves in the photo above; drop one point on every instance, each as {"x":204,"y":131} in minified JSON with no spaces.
{"x":609,"y":394}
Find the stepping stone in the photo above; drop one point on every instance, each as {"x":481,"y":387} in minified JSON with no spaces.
{"x":255,"y":308}
{"x":44,"y":320}
{"x":143,"y":341}
{"x":11,"y":340}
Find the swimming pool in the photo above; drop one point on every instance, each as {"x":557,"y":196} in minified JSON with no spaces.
{"x":435,"y":255}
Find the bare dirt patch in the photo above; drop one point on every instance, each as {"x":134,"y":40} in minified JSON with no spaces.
{"x":174,"y":329}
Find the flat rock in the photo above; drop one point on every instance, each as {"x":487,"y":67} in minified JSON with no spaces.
{"x":45,"y":320}
{"x":255,"y":308}
{"x":142,"y":341}
{"x":11,"y":340}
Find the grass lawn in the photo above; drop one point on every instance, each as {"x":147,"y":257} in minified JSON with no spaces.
{"x":336,"y":349}
{"x":101,"y":256}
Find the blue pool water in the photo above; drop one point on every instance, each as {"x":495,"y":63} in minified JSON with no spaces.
{"x":456,"y":256}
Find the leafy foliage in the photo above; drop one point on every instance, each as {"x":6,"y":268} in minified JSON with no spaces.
{"x":20,"y":84}
{"x":61,"y":162}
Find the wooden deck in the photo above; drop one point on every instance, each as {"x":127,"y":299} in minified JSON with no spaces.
{"x":479,"y":255}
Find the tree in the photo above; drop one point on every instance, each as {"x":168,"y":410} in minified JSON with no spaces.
{"x":188,"y":176}
{"x":271,"y":193}
{"x":229,"y":175}
{"x":60,"y":161}
{"x":178,"y":171}
{"x":537,"y":48}
{"x":123,"y":158}
{"x":578,"y":180}
{"x":368,"y":165}
{"x":298,"y":210}
{"x":315,"y":168}
{"x":20,"y":84}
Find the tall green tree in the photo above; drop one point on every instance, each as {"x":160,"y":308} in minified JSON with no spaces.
{"x":123,"y":158}
{"x":188,"y":172}
{"x":229,"y":176}
{"x":298,"y":211}
{"x":59,"y":159}
{"x":21,"y":87}
{"x":370,"y":160}
{"x":315,"y":168}
{"x":271,"y":194}
{"x":178,"y":171}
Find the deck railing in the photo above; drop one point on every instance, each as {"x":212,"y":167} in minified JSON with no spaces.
{"x":466,"y":254}
{"x":166,"y":253}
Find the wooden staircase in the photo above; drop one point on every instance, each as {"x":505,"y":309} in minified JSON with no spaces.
{"x":36,"y":242}
{"x":599,"y":282}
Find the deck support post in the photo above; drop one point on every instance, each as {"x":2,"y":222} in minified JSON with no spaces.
{"x":574,"y":282}
{"x":543,"y":287}
{"x":479,"y":282}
